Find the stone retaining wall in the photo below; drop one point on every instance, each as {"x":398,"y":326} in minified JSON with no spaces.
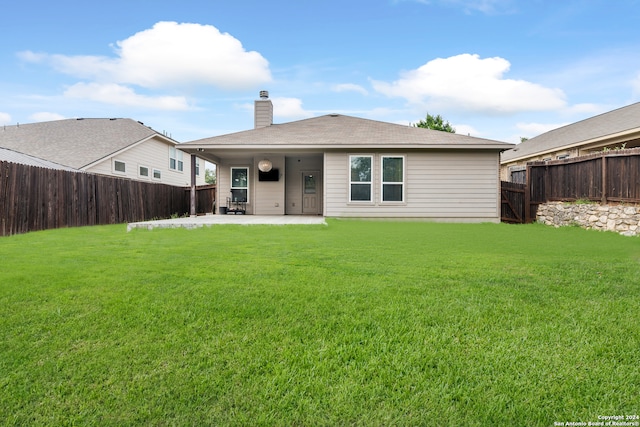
{"x":621,"y":219}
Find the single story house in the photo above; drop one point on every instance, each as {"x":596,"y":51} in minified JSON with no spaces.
{"x":341,"y":166}
{"x":122,"y":148}
{"x":619,"y":128}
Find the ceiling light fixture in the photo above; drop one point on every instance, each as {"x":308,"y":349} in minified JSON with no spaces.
{"x":265,"y":165}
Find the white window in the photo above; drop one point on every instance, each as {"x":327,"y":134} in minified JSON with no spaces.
{"x":143,"y":171}
{"x":197,"y":167}
{"x":119,"y":167}
{"x":360,"y":182}
{"x":240,"y":184}
{"x":176,"y":159}
{"x":157,"y":174}
{"x":392,"y":178}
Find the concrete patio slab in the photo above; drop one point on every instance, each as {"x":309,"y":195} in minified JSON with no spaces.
{"x":210,"y":220}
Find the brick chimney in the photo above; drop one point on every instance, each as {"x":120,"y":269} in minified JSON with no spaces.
{"x":263,"y":111}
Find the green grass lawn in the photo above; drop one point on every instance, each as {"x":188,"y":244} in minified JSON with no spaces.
{"x":354,"y":323}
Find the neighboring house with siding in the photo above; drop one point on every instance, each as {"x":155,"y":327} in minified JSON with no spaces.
{"x":615,"y":129}
{"x":342,"y":166}
{"x":117,"y":147}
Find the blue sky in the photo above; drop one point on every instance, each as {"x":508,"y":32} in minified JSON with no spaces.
{"x":498,"y":69}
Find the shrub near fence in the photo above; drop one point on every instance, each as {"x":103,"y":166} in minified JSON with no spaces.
{"x":34,"y":198}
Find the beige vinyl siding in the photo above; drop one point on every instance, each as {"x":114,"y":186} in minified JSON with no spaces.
{"x":295,"y":166}
{"x":224,"y":180}
{"x":263,"y":114}
{"x":223,"y":177}
{"x":269,"y":195}
{"x":336,"y":186}
{"x":439,"y":185}
{"x":293,"y":196}
{"x":152,"y":154}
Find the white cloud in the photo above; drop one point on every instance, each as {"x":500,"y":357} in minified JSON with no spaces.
{"x":169,"y":54}
{"x":588,"y":109}
{"x":485,"y":6}
{"x":489,"y":7}
{"x":350,"y":87}
{"x":534,"y":129}
{"x":29,"y":56}
{"x":290,"y":108}
{"x":470,"y":83}
{"x":5,"y":118}
{"x":45,"y":116}
{"x":121,"y":95}
{"x":283,"y":108}
{"x":467,"y":130}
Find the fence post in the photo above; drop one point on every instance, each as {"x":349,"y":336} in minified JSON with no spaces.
{"x":527,"y":195}
{"x":547,"y":180}
{"x":604,"y":180}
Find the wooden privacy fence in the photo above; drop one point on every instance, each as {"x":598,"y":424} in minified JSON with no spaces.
{"x":514,"y":202}
{"x":205,"y":198}
{"x":606,"y":177}
{"x":34,"y":198}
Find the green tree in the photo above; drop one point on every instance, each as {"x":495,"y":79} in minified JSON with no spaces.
{"x":209,"y":176}
{"x":435,"y":123}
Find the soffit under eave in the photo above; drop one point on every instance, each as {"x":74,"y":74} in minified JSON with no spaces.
{"x":338,"y":148}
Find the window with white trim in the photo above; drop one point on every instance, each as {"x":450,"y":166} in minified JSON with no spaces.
{"x":143,"y":171}
{"x":157,"y":174}
{"x":240,"y":184}
{"x":392,"y":178}
{"x":176,"y":159}
{"x":360,"y":180}
{"x":119,"y":167}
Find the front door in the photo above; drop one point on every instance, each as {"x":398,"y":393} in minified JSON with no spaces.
{"x":311,"y":193}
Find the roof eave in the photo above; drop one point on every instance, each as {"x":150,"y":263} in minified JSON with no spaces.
{"x":603,"y":140}
{"x":195,"y":148}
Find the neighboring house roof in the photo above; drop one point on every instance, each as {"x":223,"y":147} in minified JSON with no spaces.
{"x":76,"y":143}
{"x":338,"y":131}
{"x":625,"y":120}
{"x":7,"y":155}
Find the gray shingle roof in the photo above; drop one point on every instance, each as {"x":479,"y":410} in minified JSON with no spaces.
{"x":619,"y":120}
{"x":7,"y":155}
{"x":336,"y":131}
{"x":74,"y":142}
